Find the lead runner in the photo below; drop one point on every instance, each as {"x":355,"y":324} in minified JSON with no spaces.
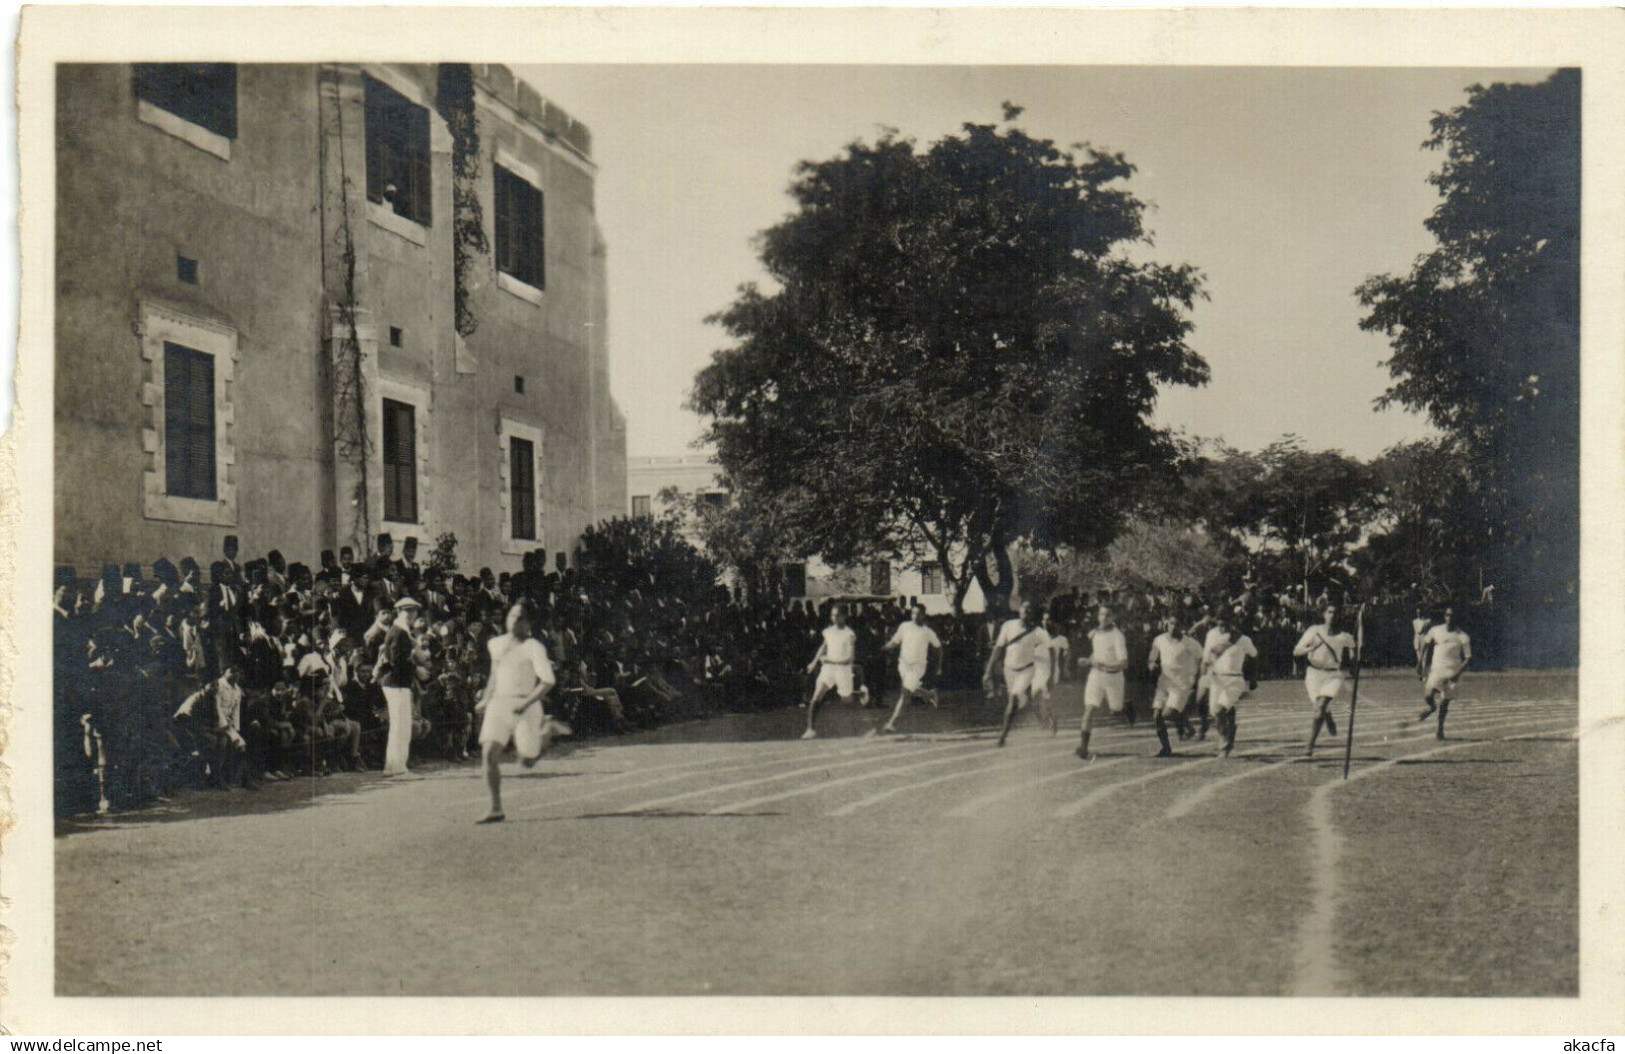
{"x":1325,"y":653}
{"x":521,"y":677}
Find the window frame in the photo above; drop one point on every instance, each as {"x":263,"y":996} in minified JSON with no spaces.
{"x":383,"y":105}
{"x":155,"y":107}
{"x":519,"y":242}
{"x":646,"y":510}
{"x":159,"y":323}
{"x":509,"y":429}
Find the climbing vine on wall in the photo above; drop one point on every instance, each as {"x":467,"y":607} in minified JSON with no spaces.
{"x":454,"y":99}
{"x":351,"y":439}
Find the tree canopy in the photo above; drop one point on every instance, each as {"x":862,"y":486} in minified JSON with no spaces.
{"x":961,"y":351}
{"x":1485,"y":328}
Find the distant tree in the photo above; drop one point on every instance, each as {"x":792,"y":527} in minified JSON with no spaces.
{"x":1430,"y":526}
{"x":1485,"y":328}
{"x":748,"y":536}
{"x":1158,"y":556}
{"x":961,"y":351}
{"x":1306,"y":510}
{"x":646,"y":553}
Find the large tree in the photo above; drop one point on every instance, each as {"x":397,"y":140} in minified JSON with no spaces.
{"x":963,"y":347}
{"x":1485,"y":329}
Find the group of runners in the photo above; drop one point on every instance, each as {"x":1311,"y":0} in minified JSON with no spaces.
{"x":1211,"y":677}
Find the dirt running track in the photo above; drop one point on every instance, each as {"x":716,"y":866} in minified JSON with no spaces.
{"x":725,"y":857}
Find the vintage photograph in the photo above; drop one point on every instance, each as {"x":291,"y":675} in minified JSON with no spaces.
{"x":722,"y":529}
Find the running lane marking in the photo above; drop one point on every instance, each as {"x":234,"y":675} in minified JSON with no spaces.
{"x":1183,"y":807}
{"x":675,"y":771}
{"x":1317,"y":971}
{"x":977,"y":805}
{"x":658,"y":803}
{"x":724,"y":810}
{"x":1073,"y":808}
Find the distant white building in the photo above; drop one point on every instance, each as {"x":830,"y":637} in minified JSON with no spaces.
{"x":699,"y":475}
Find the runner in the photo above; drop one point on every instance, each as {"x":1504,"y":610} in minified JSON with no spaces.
{"x":834,"y":662}
{"x":1447,"y":651}
{"x":1419,"y":632}
{"x":1019,"y":641}
{"x":1325,"y":653}
{"x":1206,"y":629}
{"x":1176,"y":659}
{"x":1050,"y":664}
{"x":521,"y":676}
{"x":1107,"y":659}
{"x":1230,"y":676}
{"x":914,"y":642}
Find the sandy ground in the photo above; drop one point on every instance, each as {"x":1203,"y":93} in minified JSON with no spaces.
{"x":725,"y":857}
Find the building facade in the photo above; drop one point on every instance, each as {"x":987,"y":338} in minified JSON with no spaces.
{"x":698,"y":475}
{"x":258,"y":310}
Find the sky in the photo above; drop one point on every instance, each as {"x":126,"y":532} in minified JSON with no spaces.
{"x":1286,"y":187}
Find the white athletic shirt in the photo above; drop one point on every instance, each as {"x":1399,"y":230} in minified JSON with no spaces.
{"x":1059,"y":648}
{"x":1325,"y":650}
{"x":1419,"y":627}
{"x":1020,"y":654}
{"x":1107,"y":646}
{"x":840,"y":644}
{"x":914,"y":643}
{"x":518,"y":668}
{"x":1215,"y":640}
{"x":1228,"y":660}
{"x":1180,"y":659}
{"x":1451,"y":651}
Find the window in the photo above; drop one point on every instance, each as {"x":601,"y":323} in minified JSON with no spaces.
{"x":880,"y":578}
{"x":185,"y":269}
{"x":518,"y":385}
{"x":188,"y":423}
{"x":522,"y":487}
{"x":640,"y":505}
{"x":715,"y":500}
{"x":519,"y":229}
{"x":931,"y":579}
{"x":394,"y":336}
{"x":400,"y":462}
{"x":202,"y":93}
{"x":397,"y":152}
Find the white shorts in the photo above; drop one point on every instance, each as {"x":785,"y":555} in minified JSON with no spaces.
{"x":1020,"y":682}
{"x":1103,"y":689}
{"x":838,"y":677}
{"x":913,"y":675}
{"x":1323,"y":684}
{"x":1226,"y":691}
{"x":1442,"y":682}
{"x":502,"y":726}
{"x":1171,"y":694}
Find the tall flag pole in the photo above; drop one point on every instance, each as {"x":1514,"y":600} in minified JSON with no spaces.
{"x":1354,"y":698}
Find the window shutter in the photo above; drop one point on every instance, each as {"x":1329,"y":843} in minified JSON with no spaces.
{"x":538,"y":267}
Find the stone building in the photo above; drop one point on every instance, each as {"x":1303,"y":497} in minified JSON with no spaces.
{"x":257,"y":313}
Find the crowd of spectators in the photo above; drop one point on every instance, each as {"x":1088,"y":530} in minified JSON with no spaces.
{"x":167,"y":678}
